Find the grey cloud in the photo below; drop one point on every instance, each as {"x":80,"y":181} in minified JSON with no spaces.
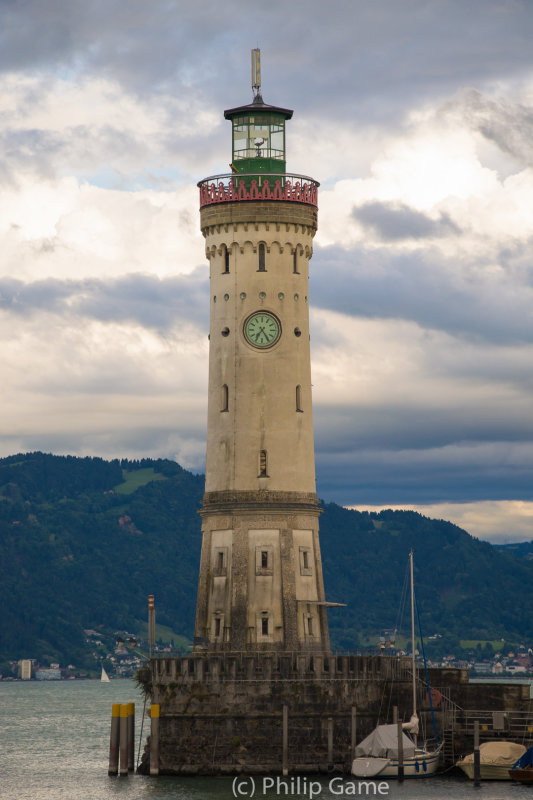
{"x":466,"y":474}
{"x":440,"y":423}
{"x":85,"y":148}
{"x":426,"y":288}
{"x":396,"y":221}
{"x":385,"y":54}
{"x":150,"y":301}
{"x":509,"y":125}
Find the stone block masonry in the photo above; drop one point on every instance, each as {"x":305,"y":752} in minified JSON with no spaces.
{"x":222,"y":713}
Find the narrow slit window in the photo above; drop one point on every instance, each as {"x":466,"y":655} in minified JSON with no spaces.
{"x":264,"y":559}
{"x":305,"y":558}
{"x":217,"y":626}
{"x":299,"y":398}
{"x":310,"y":626}
{"x":263,"y":464}
{"x":225,"y":397}
{"x":226,"y":259}
{"x":295,"y":263}
{"x":264,"y":626}
{"x":220,"y":560}
{"x":262,"y":264}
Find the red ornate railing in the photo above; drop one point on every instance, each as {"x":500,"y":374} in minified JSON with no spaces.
{"x":235,"y":188}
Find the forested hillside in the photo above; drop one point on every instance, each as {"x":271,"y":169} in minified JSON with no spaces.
{"x":84,"y":541}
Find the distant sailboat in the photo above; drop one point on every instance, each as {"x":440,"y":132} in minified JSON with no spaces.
{"x":104,"y":676}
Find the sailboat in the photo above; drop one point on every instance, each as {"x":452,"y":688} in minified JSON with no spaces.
{"x":378,"y":754}
{"x":104,"y":677}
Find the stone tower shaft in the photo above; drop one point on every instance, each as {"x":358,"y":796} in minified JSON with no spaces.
{"x":261,"y":583}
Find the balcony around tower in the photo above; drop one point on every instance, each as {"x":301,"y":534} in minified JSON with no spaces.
{"x":246,"y":187}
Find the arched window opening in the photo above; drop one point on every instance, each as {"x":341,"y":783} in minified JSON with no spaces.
{"x":263,"y":464}
{"x":225,"y":397}
{"x":262,"y":258}
{"x":299,"y":399}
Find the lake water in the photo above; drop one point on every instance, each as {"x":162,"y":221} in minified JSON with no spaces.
{"x":55,"y":746}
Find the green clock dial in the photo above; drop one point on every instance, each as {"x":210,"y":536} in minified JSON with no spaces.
{"x":262,"y":329}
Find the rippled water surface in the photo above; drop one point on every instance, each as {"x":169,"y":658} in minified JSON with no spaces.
{"x":55,"y":744}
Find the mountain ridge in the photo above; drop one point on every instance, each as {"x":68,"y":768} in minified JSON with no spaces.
{"x":83,"y":541}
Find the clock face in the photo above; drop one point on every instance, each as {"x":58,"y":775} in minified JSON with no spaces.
{"x":262,"y":329}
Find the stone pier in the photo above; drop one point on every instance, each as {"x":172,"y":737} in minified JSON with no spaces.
{"x":222,"y":713}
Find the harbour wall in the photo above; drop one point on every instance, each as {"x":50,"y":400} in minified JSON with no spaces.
{"x":264,"y":713}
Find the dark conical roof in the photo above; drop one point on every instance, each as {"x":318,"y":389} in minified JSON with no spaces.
{"x":257,"y":105}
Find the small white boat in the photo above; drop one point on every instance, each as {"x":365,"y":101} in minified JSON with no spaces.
{"x":495,"y":760}
{"x":104,"y":677}
{"x":378,"y":755}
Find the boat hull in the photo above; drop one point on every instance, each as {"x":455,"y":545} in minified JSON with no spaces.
{"x":487,"y":772}
{"x":421,"y":766}
{"x":496,"y":759}
{"x":524,"y":775}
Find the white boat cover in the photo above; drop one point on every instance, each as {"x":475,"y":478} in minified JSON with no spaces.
{"x":500,"y":754}
{"x":383,"y":743}
{"x":412,"y":725}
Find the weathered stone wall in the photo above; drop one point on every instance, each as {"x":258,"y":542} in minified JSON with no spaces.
{"x":222,"y":713}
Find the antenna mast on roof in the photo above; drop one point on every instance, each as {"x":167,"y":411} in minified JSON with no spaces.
{"x":256,"y":73}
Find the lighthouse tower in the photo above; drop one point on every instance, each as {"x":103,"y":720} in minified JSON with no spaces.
{"x":261,"y":585}
{"x":261,"y":692}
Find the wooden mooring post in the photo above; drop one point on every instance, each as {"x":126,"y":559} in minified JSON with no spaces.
{"x":114,"y":739}
{"x":477,"y":758}
{"x":131,"y":737}
{"x":353,"y":732}
{"x":154,"y":739}
{"x":285,"y":753}
{"x":330,"y":744}
{"x":123,"y":747}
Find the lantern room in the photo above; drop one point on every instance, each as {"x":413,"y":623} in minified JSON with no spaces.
{"x":258,"y":137}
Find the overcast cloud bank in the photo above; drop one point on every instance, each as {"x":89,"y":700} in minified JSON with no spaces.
{"x":418,"y":122}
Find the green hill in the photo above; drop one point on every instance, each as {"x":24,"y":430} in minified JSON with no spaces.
{"x":84,"y":541}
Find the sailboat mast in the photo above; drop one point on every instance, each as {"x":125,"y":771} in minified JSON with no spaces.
{"x":413,"y":628}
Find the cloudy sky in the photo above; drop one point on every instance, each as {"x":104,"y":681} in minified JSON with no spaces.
{"x":417,"y":119}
